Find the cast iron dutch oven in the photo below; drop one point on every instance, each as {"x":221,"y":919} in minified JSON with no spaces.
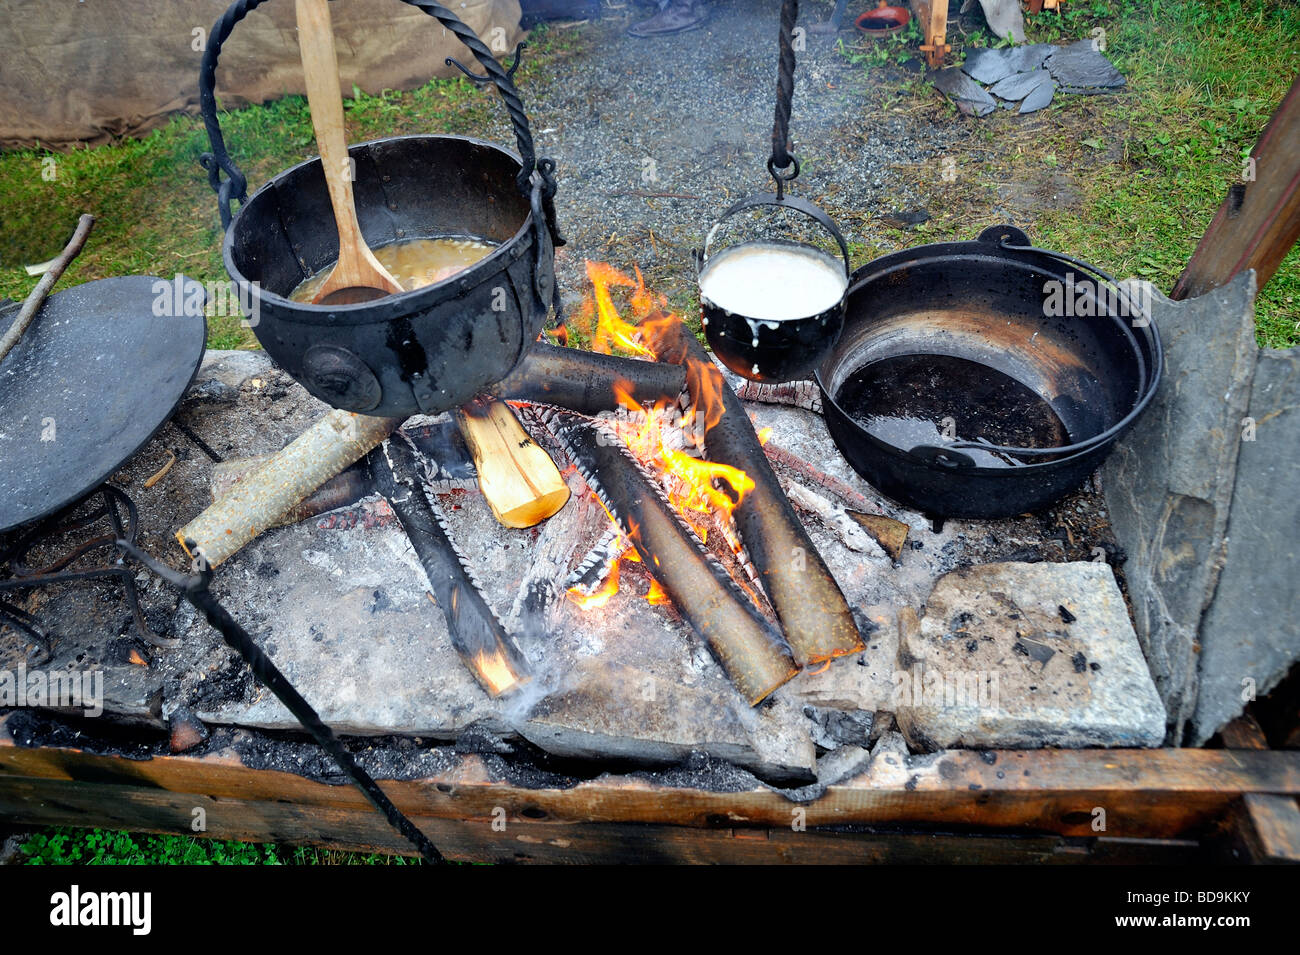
{"x":989,"y":302}
{"x":425,"y":350}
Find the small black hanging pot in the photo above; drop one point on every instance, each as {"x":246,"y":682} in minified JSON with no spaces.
{"x":772,"y":309}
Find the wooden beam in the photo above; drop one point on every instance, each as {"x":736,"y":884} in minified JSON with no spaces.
{"x":1259,"y":221}
{"x":1145,"y":794}
{"x":1268,"y":827}
{"x":142,"y":809}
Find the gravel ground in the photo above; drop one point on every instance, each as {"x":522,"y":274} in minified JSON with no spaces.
{"x":691,"y":115}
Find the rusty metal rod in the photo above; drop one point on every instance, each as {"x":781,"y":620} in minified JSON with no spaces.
{"x":749,"y":648}
{"x":816,"y":618}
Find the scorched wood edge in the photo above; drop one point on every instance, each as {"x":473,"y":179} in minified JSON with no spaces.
{"x":977,"y":799}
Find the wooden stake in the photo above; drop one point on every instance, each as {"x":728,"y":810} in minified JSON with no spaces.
{"x":521,"y":483}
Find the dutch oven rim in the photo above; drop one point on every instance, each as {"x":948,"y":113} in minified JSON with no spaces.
{"x":985,"y":250}
{"x":382,"y":310}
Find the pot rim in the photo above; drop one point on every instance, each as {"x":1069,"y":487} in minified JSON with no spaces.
{"x":385,"y":309}
{"x":707,"y":302}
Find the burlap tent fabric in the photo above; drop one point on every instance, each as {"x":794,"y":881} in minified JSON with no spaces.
{"x":88,"y":72}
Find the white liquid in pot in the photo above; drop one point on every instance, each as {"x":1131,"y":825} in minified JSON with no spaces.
{"x":772,"y":283}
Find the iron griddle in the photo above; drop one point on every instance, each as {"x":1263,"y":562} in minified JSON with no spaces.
{"x":106,"y":371}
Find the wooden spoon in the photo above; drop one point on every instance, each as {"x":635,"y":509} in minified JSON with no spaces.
{"x":357,"y":276}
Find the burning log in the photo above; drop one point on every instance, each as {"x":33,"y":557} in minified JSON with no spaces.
{"x":816,"y":618}
{"x":589,"y":382}
{"x":262,"y":499}
{"x":476,"y":633}
{"x":748,"y":647}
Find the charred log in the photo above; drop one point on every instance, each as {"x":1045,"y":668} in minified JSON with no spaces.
{"x":476,"y":633}
{"x":816,"y":618}
{"x":585,"y":381}
{"x":748,"y":647}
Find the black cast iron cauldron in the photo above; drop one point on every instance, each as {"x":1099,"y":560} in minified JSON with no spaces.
{"x":425,"y":350}
{"x":988,"y":301}
{"x":772,"y":351}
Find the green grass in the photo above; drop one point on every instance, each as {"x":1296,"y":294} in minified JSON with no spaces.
{"x":1145,"y":169}
{"x":155,"y":214}
{"x":66,"y":846}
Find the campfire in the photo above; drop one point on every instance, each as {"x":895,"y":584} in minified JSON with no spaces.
{"x":693,"y":501}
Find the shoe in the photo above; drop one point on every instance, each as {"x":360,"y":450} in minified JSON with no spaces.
{"x":678,"y":16}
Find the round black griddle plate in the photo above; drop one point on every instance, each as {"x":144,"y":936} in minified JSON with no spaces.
{"x":89,"y":383}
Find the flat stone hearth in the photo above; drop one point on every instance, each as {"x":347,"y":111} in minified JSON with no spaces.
{"x":340,"y":603}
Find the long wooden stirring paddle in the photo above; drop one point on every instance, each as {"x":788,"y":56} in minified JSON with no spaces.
{"x":357,"y":276}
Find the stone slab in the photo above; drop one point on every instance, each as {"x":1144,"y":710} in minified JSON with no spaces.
{"x":990,"y":66}
{"x":1168,"y":485}
{"x":968,"y":96}
{"x":1017,"y":655}
{"x":1250,"y":636}
{"x":1078,"y":68}
{"x":1019,"y":85}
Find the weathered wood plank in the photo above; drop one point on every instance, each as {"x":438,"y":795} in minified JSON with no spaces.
{"x":68,"y":803}
{"x":1144,"y":793}
{"x":1259,"y":221}
{"x":1270,"y":828}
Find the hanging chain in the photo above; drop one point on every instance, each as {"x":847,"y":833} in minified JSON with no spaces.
{"x":782,"y":166}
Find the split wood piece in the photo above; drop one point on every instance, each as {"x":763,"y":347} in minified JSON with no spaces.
{"x":779,"y":455}
{"x":589,"y":382}
{"x":477,"y":634}
{"x":357,"y":276}
{"x":816,"y":618}
{"x":748,"y":647}
{"x":540,"y":602}
{"x":36,"y":298}
{"x":518,"y":479}
{"x":890,"y":534}
{"x":1259,"y":221}
{"x":262,"y":499}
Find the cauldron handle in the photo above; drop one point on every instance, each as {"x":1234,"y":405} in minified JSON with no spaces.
{"x":235,"y":186}
{"x":785,"y":202}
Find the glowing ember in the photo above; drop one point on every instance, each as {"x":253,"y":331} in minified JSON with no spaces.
{"x":495,"y":670}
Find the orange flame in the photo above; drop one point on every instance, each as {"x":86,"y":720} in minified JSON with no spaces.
{"x":696,"y":488}
{"x":656,"y":595}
